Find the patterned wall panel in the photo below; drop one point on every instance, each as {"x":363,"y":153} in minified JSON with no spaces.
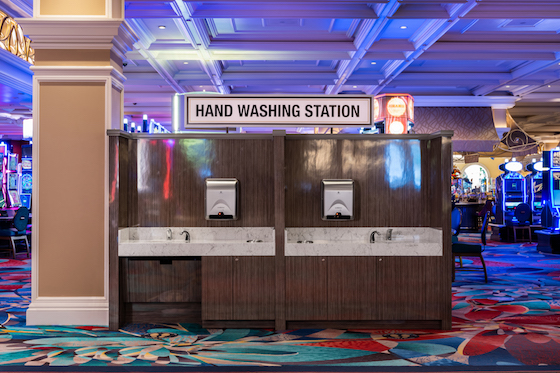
{"x":473,"y":126}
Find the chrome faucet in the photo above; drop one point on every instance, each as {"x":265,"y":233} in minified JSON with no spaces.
{"x":169,"y":234}
{"x":187,"y":236}
{"x":389,"y":234}
{"x":372,"y":236}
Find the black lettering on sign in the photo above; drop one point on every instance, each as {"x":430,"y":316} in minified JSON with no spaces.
{"x":308,"y":112}
{"x":209,"y":111}
{"x":345,"y":111}
{"x":355,"y":111}
{"x":264,"y":112}
{"x":295,"y":111}
{"x":229,"y":111}
{"x":254,"y":111}
{"x":199,"y":110}
{"x":243,"y":110}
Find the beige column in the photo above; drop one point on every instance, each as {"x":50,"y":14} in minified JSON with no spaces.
{"x":77,"y":96}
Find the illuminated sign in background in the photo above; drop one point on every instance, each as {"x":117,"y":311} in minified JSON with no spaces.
{"x":396,"y":110}
{"x":13,"y":40}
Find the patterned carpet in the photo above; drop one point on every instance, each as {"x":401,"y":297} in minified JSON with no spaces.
{"x":509,"y":324}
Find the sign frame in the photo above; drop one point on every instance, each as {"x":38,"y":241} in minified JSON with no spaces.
{"x":327,"y":102}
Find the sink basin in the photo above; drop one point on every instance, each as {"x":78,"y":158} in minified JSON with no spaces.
{"x":140,"y":241}
{"x":336,"y":241}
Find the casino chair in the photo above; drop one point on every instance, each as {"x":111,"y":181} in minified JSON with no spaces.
{"x":524,"y":216}
{"x":456,"y":217}
{"x":18,"y":231}
{"x":461,"y":249}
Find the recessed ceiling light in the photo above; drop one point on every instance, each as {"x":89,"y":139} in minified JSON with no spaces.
{"x":374,"y":63}
{"x":200,"y":86}
{"x":161,"y":27}
{"x":203,"y":90}
{"x":185,"y":63}
{"x":404,"y":27}
{"x":548,"y":86}
{"x":507,"y":86}
{"x":354,"y":86}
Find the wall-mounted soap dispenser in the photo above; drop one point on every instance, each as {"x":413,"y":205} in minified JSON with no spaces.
{"x":337,"y":199}
{"x":221,"y":199}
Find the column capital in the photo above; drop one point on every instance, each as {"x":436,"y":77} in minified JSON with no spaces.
{"x":51,"y":33}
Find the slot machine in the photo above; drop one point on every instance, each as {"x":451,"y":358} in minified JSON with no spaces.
{"x":12,"y":180}
{"x":550,"y":217}
{"x":2,"y":188}
{"x":510,"y":191}
{"x":25,"y":185}
{"x":534,"y":183}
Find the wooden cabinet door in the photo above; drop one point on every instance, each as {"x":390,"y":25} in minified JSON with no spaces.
{"x":254,"y":292}
{"x":162,"y":280}
{"x":306,"y":288}
{"x":401,"y":291}
{"x":352,"y":288}
{"x":217,"y":288}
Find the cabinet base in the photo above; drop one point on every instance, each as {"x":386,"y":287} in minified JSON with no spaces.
{"x":238,"y":324}
{"x":365,"y":324}
{"x":162,"y":312}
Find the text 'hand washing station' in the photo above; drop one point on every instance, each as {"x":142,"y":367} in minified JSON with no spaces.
{"x":334,"y":241}
{"x":196,"y":241}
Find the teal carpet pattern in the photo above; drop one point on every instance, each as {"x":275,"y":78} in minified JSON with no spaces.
{"x":510,"y":323}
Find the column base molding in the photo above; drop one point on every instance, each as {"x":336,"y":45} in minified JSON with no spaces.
{"x":69,"y":311}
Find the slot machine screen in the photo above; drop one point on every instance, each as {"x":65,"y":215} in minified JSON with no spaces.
{"x":26,"y":164}
{"x":556,"y":188}
{"x":12,"y":162}
{"x":513,"y":185}
{"x":12,"y":181}
{"x":537,"y":204}
{"x":555,"y":158}
{"x":512,"y":205}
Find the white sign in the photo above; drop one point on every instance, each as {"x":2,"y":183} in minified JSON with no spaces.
{"x":286,"y":111}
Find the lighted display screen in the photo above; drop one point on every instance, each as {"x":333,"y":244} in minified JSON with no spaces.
{"x":12,"y":181}
{"x":512,"y":204}
{"x":555,"y":158}
{"x":537,"y":205}
{"x":514,"y":185}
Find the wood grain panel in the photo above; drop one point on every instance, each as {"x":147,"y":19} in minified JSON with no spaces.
{"x":217,"y":288}
{"x":171,"y":176}
{"x":446,"y":273}
{"x":387,"y":174}
{"x":163,"y":280}
{"x":279,"y":138}
{"x":132,"y":191}
{"x":253,"y":288}
{"x":401,"y":291}
{"x":306,"y":288}
{"x":114,"y":218}
{"x":352,"y":288}
{"x":162,"y":312}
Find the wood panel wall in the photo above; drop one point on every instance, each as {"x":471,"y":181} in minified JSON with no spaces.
{"x":389,"y":176}
{"x":171,"y":174}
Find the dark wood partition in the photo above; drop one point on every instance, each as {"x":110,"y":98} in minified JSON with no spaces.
{"x":171,"y":174}
{"x":400,"y":181}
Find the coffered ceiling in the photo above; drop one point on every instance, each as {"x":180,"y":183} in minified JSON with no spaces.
{"x":422,"y":47}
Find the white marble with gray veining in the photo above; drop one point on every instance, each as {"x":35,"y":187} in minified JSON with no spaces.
{"x":336,"y":241}
{"x":228,"y":241}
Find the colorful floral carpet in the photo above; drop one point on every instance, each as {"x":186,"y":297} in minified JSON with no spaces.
{"x":510,"y":324}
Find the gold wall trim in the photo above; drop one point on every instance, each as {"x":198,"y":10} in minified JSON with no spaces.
{"x":13,"y":40}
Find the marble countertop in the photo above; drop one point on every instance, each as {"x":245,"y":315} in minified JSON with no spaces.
{"x":405,"y":241}
{"x":145,"y":241}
